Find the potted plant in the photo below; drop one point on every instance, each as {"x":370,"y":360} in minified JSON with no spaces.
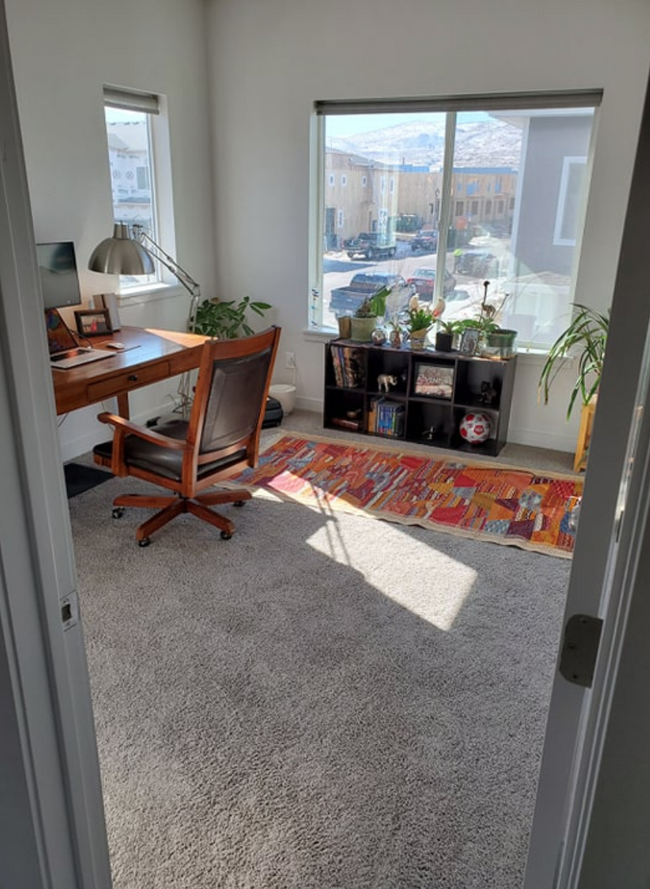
{"x":366,"y":316}
{"x":419,"y":320}
{"x":585,"y":338}
{"x":494,"y":340}
{"x":446,"y":333}
{"x":226,"y":319}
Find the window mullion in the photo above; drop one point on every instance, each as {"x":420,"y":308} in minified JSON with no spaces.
{"x":447,"y":200}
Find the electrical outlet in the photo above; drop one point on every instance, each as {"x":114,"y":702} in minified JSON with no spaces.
{"x":290,"y":360}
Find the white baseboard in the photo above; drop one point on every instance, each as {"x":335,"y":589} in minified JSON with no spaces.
{"x":537,"y":439}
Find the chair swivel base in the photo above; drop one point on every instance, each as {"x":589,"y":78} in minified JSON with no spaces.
{"x":171,"y":506}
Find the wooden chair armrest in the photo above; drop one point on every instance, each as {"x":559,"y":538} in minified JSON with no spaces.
{"x":146,"y":433}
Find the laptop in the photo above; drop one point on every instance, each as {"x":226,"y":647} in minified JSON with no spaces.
{"x":64,"y":351}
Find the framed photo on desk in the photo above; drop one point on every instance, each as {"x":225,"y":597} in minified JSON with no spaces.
{"x":93,"y":322}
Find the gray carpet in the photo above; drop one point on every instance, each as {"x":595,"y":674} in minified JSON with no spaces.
{"x":322,"y":702}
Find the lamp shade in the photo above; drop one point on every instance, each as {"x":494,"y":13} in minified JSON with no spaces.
{"x":121,"y":255}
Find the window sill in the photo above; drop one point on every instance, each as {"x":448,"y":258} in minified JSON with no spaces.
{"x":319,"y":334}
{"x":149,"y":293}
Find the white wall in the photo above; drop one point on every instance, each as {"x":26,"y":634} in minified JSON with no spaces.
{"x":271,"y":59}
{"x":63,"y":52}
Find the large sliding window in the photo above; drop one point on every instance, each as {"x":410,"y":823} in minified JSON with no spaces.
{"x":437,"y":197}
{"x":130,"y":156}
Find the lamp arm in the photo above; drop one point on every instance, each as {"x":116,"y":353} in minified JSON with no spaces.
{"x":171,"y":265}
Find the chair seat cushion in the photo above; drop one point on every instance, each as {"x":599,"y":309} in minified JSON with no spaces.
{"x":153,"y":458}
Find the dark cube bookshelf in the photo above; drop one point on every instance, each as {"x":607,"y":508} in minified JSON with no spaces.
{"x":416,"y":395}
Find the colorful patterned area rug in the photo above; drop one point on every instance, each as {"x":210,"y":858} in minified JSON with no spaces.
{"x":484,"y":501}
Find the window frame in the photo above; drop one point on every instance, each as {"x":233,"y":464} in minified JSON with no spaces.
{"x":156,"y":105}
{"x":546,"y":101}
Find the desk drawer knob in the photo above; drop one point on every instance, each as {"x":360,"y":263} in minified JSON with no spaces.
{"x":133,"y":378}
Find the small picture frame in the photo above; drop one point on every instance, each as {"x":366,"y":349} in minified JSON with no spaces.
{"x":434,"y":380}
{"x":93,"y":322}
{"x":469,"y":341}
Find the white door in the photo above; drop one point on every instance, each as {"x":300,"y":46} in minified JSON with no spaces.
{"x":580,"y":781}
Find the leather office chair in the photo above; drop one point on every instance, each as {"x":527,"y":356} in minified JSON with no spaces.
{"x":220,"y":438}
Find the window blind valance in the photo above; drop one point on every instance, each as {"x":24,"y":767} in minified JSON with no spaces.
{"x":131,"y":100}
{"x":506,"y":102}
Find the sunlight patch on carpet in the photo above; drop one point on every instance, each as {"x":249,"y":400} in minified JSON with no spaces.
{"x":438,"y":602}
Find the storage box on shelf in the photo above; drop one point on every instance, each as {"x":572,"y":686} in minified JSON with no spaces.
{"x":417,"y":396}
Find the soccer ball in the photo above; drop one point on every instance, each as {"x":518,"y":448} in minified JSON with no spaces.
{"x":475,"y":428}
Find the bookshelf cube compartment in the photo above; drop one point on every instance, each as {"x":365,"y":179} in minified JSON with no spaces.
{"x":430,"y":423}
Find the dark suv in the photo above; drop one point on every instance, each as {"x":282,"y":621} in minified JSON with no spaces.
{"x":370,"y":245}
{"x":426,"y":241}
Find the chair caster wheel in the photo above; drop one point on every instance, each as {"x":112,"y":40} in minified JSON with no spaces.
{"x":144,"y":542}
{"x":118,"y":512}
{"x":225,"y":535}
{"x":238,"y":503}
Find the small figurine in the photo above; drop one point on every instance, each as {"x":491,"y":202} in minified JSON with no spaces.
{"x":386,"y":382}
{"x":488,"y":393}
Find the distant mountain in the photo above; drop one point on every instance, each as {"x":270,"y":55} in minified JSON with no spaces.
{"x":490,"y":143}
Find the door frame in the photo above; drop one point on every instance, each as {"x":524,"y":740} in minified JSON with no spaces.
{"x":52,"y":829}
{"x":609,"y":548}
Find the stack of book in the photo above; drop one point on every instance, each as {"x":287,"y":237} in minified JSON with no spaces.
{"x":386,"y":418}
{"x":348,"y":367}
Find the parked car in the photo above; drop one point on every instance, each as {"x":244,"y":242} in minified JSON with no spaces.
{"x":362,"y":285}
{"x":423,"y":280}
{"x":370,"y":245}
{"x":477,"y":262}
{"x":426,"y":241}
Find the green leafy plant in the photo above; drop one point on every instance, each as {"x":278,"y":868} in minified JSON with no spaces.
{"x":227,"y":319}
{"x":374,"y":306}
{"x":453,"y":327}
{"x":586,"y":338}
{"x":419,"y":318}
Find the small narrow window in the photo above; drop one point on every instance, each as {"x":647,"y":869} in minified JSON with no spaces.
{"x":130,"y":156}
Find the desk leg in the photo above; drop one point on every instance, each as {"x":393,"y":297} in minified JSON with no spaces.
{"x":123,"y":405}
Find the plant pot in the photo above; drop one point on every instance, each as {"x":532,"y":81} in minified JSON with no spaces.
{"x":501,"y":343}
{"x":362,"y":328}
{"x":444,"y":341}
{"x":417,"y":338}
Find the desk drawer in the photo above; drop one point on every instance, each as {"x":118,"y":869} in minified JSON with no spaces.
{"x":130,"y":379}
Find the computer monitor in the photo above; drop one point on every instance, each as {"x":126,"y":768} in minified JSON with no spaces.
{"x":57,"y":265}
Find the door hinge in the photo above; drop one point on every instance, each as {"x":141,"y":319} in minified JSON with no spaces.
{"x":580,"y":649}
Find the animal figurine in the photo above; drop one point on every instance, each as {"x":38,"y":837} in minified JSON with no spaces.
{"x":488,"y":393}
{"x":386,"y":382}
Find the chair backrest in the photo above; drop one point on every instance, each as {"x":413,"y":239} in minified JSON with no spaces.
{"x":231,"y":392}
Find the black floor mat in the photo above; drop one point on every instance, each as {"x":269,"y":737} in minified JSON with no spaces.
{"x":79,"y":478}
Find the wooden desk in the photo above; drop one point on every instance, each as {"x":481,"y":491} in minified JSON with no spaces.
{"x":158,"y":355}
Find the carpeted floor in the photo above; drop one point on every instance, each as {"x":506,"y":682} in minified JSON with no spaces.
{"x":323,"y":701}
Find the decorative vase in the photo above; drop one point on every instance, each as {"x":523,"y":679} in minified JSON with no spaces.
{"x":444,"y":341}
{"x":362,"y":328}
{"x":417,"y":338}
{"x":395,"y":338}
